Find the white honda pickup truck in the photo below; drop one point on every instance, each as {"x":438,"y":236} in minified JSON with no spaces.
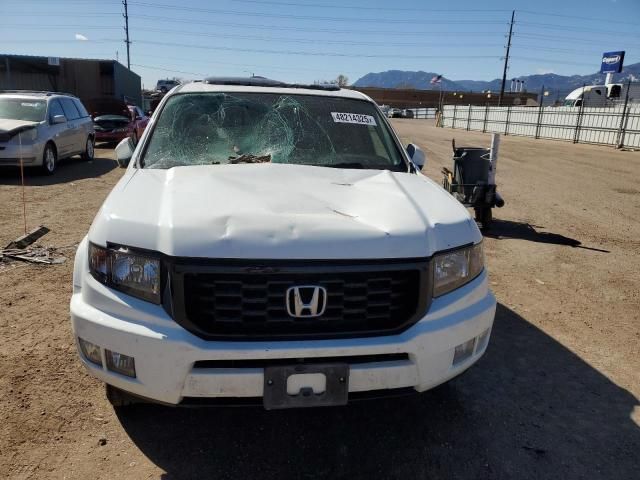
{"x":276,"y":244}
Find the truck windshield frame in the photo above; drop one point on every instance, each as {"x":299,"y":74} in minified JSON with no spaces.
{"x":215,"y":128}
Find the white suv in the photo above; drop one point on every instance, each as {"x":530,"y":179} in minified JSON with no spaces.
{"x":275,"y":243}
{"x":41,"y":128}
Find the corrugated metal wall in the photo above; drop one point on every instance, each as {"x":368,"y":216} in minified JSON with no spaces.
{"x":128,"y":85}
{"x":86,"y":79}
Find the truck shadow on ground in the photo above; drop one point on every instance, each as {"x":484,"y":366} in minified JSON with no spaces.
{"x":505,"y":229}
{"x":69,"y":170}
{"x":529,"y":409}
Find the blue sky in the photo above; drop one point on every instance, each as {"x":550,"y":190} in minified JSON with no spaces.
{"x":308,"y":40}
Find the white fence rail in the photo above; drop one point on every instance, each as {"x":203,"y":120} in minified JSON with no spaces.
{"x":423,"y":112}
{"x":618,"y":126}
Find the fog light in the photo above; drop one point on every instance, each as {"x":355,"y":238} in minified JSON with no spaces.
{"x":463,"y":351}
{"x":483,"y":339}
{"x":91,"y":351}
{"x":117,"y":362}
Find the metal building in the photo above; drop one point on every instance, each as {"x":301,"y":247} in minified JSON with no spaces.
{"x":412,"y":98}
{"x":85,"y":78}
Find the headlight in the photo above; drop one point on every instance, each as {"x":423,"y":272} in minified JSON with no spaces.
{"x":131,"y":272}
{"x":456,"y":268}
{"x":28,"y":135}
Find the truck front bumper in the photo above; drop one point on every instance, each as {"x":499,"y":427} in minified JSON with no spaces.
{"x":172,"y":365}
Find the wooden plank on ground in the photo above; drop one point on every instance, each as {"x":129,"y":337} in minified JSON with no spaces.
{"x":29,"y":238}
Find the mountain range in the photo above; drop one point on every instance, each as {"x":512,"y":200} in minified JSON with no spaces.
{"x":557,"y":85}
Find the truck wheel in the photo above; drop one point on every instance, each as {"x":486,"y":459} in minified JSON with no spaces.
{"x":49,"y":160}
{"x":89,"y":149}
{"x":118,"y":398}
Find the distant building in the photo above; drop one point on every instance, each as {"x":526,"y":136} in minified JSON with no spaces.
{"x":412,"y":98}
{"x":87,"y":79}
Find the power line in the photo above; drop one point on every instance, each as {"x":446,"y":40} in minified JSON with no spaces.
{"x":299,"y":17}
{"x":253,"y":26}
{"x":168,"y":70}
{"x":574,"y":17}
{"x":554,"y":38}
{"x":77,"y":42}
{"x":366,"y":7}
{"x":556,"y":49}
{"x":59,"y":26}
{"x":313,"y":40}
{"x":554,"y":26}
{"x":307,"y":53}
{"x":57,"y":14}
{"x":253,"y":65}
{"x":547,"y":60}
{"x":350,"y":31}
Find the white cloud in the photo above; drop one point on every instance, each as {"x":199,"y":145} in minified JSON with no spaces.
{"x":542,"y":71}
{"x":81,"y":37}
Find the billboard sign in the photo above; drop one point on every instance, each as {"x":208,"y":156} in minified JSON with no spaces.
{"x":612,"y":62}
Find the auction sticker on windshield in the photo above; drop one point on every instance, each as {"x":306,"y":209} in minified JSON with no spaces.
{"x":353,"y":118}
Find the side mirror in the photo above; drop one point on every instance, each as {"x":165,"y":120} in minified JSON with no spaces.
{"x":58,"y":119}
{"x":417,"y":156}
{"x":124,"y":152}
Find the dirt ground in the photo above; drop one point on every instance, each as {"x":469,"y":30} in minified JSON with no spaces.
{"x":556,"y":395}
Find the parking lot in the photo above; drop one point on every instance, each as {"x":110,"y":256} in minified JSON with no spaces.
{"x":556,"y":395}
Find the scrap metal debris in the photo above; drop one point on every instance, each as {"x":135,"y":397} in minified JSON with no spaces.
{"x":34,"y":254}
{"x":22,"y":249}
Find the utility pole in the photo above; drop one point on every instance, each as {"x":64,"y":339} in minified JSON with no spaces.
{"x":506,"y":59}
{"x":126,"y":31}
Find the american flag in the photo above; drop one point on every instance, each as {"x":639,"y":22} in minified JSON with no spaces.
{"x":436,"y":79}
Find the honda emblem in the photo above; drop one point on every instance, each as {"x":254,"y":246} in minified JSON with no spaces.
{"x":306,"y":301}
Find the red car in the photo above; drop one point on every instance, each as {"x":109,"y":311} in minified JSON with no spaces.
{"x":114,"y":120}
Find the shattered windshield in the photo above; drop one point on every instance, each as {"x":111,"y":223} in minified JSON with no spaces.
{"x":228,"y":128}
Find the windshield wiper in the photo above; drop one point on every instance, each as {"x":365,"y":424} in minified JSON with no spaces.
{"x":344,"y":165}
{"x":249,"y":158}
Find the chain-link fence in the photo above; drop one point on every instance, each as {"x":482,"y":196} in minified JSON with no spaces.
{"x":617,"y":125}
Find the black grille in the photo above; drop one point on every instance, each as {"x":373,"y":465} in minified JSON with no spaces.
{"x":249,"y":302}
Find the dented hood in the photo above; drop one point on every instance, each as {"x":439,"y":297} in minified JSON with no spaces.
{"x":277,"y":211}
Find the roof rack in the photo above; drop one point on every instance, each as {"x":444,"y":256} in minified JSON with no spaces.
{"x":264,"y":82}
{"x":40,"y":92}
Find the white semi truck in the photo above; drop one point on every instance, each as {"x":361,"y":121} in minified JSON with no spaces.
{"x":603,"y":95}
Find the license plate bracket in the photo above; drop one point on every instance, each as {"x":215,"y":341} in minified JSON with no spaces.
{"x":275,"y":386}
